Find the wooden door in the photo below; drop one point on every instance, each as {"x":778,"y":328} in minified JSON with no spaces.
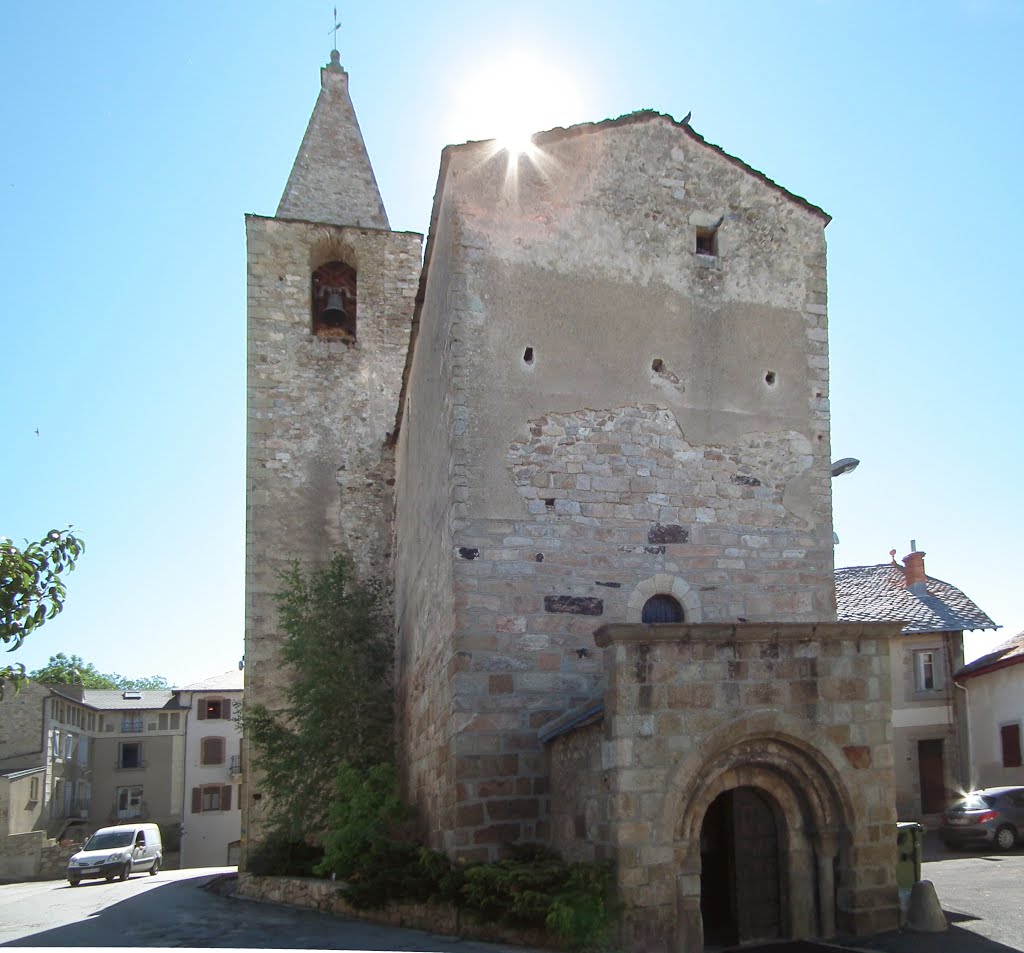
{"x":756,"y":866}
{"x":932,"y":773}
{"x":740,"y":871}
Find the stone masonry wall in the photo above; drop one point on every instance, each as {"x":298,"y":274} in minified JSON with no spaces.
{"x":32,"y":856}
{"x":800,"y":711}
{"x":320,"y":473}
{"x":580,"y":825}
{"x":21,"y":728}
{"x":627,"y":417}
{"x":426,"y":661}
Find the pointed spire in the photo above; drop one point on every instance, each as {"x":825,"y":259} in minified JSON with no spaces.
{"x":332,"y":180}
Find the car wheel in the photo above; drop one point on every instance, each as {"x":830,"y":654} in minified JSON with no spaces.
{"x":155,"y":868}
{"x":109,"y":878}
{"x":74,"y":881}
{"x":1006,"y":838}
{"x":126,"y":870}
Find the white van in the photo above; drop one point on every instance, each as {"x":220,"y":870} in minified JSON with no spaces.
{"x":117,"y":852}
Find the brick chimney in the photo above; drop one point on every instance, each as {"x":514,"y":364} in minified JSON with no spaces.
{"x":916,"y":580}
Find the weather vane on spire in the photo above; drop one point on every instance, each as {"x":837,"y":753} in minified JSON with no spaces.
{"x":335,"y":28}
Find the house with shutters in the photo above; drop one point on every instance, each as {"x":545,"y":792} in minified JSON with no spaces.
{"x":994,"y":690}
{"x":929,"y":716}
{"x":211,"y":827}
{"x":74,"y":759}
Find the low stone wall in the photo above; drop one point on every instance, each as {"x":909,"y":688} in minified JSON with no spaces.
{"x":34,"y":856}
{"x":327,"y":896}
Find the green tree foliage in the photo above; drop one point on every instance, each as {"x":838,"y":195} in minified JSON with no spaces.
{"x":32,"y":588}
{"x":73,"y":670}
{"x":368,"y":847}
{"x":337,"y":691}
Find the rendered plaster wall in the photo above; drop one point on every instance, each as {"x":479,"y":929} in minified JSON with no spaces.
{"x":426,"y":658}
{"x":19,"y":811}
{"x":161,"y":777}
{"x":996,"y":699}
{"x":320,"y":475}
{"x":626,"y":411}
{"x":801,"y":712}
{"x":935,"y":715}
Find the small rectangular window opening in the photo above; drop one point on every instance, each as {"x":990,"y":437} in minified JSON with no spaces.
{"x":707,"y":241}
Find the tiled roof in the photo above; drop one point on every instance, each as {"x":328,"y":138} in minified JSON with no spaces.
{"x":225,"y":682}
{"x":879,"y":594}
{"x":1011,"y":652}
{"x":113,"y":699}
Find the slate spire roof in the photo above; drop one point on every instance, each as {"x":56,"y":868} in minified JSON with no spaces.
{"x":332,"y":180}
{"x":879,"y":594}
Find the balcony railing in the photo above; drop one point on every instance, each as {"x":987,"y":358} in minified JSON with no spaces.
{"x":235,"y":765}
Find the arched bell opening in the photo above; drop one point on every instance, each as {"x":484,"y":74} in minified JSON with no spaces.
{"x":333,"y":300}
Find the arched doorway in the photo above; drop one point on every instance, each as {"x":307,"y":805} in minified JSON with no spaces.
{"x":741,"y":874}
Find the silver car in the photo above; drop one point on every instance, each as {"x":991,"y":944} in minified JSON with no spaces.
{"x":985,"y":818}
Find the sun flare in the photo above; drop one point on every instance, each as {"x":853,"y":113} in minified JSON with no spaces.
{"x":511,"y":98}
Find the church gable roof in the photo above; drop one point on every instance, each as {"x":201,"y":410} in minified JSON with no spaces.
{"x":879,"y":593}
{"x":332,"y":180}
{"x":649,"y":115}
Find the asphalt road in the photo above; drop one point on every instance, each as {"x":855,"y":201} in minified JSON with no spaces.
{"x":981,"y":894}
{"x":169,"y":910}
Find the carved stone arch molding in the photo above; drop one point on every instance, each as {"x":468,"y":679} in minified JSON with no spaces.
{"x":664,"y":583}
{"x":814,"y":807}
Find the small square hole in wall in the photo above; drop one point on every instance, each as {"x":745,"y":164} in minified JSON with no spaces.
{"x":707,"y":241}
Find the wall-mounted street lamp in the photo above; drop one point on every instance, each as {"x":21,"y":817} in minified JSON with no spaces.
{"x":839,"y":467}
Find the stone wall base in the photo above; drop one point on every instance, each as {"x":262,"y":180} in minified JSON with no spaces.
{"x":327,"y":896}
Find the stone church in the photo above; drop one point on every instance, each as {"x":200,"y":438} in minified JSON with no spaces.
{"x":581,"y":440}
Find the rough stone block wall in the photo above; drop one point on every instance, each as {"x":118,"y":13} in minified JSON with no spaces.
{"x":21,"y":728}
{"x":580,"y":825}
{"x":426,"y":659}
{"x":31,"y":856}
{"x":800,"y":711}
{"x":320,"y":472}
{"x":625,"y":417}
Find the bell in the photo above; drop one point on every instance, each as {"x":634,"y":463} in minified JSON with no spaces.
{"x":334,"y":307}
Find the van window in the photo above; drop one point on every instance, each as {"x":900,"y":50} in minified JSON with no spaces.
{"x":108,"y":840}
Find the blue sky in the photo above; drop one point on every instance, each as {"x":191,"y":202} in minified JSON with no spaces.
{"x":135,"y":137}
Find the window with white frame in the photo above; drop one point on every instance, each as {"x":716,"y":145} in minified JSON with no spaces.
{"x":929,"y":672}
{"x":56,"y":742}
{"x":69,"y":746}
{"x":129,"y":802}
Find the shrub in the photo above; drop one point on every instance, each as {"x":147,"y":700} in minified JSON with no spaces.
{"x":283,"y":856}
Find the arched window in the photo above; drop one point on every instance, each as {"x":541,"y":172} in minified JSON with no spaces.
{"x":334,"y":301}
{"x":662,"y":608}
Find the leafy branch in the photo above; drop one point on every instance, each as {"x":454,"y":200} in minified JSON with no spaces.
{"x":32,"y":589}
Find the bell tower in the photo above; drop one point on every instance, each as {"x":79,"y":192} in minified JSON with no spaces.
{"x":331,"y":290}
